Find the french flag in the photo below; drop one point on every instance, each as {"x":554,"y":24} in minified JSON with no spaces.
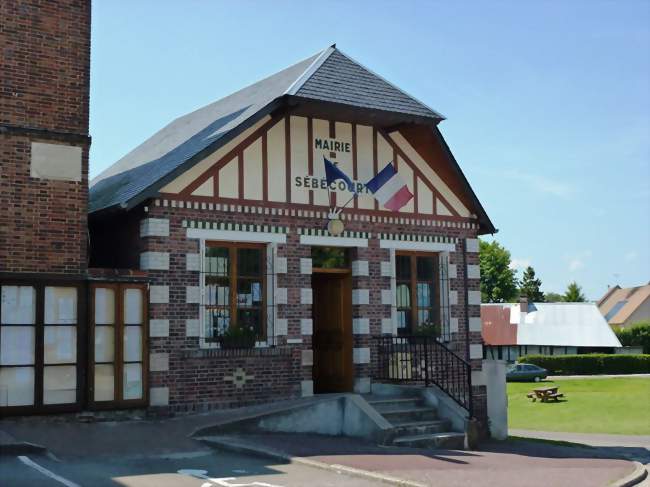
{"x":389,"y":188}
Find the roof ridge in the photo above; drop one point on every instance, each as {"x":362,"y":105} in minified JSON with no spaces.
{"x":442,"y":117}
{"x":311,"y":69}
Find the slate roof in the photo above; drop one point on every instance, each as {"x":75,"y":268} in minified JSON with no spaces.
{"x":548,"y":324}
{"x":328,"y":76}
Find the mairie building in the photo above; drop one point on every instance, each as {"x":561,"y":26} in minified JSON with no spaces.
{"x":294,"y":238}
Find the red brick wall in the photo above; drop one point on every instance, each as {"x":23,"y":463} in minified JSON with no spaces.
{"x":44,"y":86}
{"x":189,"y":392}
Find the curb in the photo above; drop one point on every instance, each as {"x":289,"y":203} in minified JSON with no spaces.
{"x":240,"y":447}
{"x":21,"y":448}
{"x":636,"y":477}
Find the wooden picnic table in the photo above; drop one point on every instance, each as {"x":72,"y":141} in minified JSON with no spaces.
{"x":545,"y":394}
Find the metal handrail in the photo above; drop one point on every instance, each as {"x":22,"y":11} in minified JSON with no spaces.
{"x":424,"y":360}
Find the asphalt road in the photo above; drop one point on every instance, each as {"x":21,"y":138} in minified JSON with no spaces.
{"x":192,"y":469}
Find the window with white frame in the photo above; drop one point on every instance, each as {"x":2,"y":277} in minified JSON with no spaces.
{"x":234,"y":293}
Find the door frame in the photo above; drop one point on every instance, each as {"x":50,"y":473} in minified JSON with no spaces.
{"x":345,"y":275}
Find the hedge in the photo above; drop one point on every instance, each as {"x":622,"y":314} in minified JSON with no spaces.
{"x":590,"y":364}
{"x":636,"y":335}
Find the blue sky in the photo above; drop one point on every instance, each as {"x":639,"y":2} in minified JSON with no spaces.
{"x":547,"y":103}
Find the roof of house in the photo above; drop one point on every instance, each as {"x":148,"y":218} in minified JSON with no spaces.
{"x":329,"y":76}
{"x":548,"y":324}
{"x":618,"y":303}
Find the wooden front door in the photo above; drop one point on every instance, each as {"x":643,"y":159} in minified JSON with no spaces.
{"x":332,"y":340}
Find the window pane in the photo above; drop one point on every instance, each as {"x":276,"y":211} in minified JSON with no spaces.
{"x":424,"y":294}
{"x":18,"y":305}
{"x":403,"y":266}
{"x":249,"y":293}
{"x":60,"y":384}
{"x":60,"y":305}
{"x":250,"y":319}
{"x":104,"y":382}
{"x":60,"y":344}
{"x":104,"y":344}
{"x":132,"y":343}
{"x":424,"y":316}
{"x":104,"y":306}
{"x":403,"y":296}
{"x":249,"y":262}
{"x":132,"y":381}
{"x":16,"y":386}
{"x":425,"y":266}
{"x":329,"y":257}
{"x":16,"y":345}
{"x":217,"y":321}
{"x":217,"y":291}
{"x":217,"y":261}
{"x":403,"y":319}
{"x":132,"y":306}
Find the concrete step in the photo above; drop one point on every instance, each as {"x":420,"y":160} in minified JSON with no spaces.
{"x":410,"y":414}
{"x":394,"y":404}
{"x":448,"y":440}
{"x":410,"y":428}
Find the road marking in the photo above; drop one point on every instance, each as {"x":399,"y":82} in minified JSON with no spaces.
{"x":46,"y":472}
{"x":222,"y":482}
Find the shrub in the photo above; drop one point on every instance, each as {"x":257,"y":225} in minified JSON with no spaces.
{"x":590,"y":364}
{"x":637,"y":335}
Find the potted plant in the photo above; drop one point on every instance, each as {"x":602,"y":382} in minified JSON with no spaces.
{"x":238,"y":337}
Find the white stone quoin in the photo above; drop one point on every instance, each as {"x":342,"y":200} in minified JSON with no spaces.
{"x":386,"y":296}
{"x":192,"y":328}
{"x":360,"y":296}
{"x":192,"y":294}
{"x":361,"y":355}
{"x":159,"y":294}
{"x":452,"y":271}
{"x":475,"y":350}
{"x":473,"y":272}
{"x":154,"y":227}
{"x":306,"y":326}
{"x":306,"y":358}
{"x":472,"y":245}
{"x":154,"y":261}
{"x":474,"y":297}
{"x":359,"y":267}
{"x":159,"y":396}
{"x":307,"y":388}
{"x":453,"y":298}
{"x":305,"y":266}
{"x":192,"y":262}
{"x":158,"y":328}
{"x":360,"y":326}
{"x":158,"y":362}
{"x":306,"y":295}
{"x":362,"y":385}
{"x":386,"y":269}
{"x":475,"y":324}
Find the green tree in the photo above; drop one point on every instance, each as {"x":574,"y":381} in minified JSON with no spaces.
{"x":498,"y":281}
{"x":574,"y":294}
{"x":554,"y":298}
{"x":530,"y":286}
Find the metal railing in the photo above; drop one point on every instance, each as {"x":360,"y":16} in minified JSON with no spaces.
{"x":424,"y":360}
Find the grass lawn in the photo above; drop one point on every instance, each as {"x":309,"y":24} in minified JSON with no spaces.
{"x":614,"y":406}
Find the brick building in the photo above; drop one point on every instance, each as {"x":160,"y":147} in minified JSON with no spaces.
{"x":216,"y":265}
{"x":252,"y":298}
